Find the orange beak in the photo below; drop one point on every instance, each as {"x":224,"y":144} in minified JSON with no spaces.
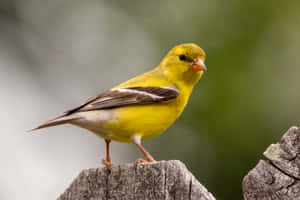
{"x":198,"y":65}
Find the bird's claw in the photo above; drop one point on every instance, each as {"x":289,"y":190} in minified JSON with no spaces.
{"x":140,"y":160}
{"x":106,"y":163}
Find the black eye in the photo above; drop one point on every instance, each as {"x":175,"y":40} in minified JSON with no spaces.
{"x":182,"y":57}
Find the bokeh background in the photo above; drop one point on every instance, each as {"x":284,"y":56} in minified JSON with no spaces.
{"x":54,"y":54}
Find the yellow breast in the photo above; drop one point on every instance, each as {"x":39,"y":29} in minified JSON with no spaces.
{"x":147,"y":120}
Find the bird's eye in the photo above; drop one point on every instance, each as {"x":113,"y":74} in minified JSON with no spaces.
{"x":182,"y":57}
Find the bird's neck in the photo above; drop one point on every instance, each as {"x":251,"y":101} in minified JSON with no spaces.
{"x":186,"y":80}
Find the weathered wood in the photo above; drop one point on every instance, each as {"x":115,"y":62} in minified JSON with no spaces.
{"x":279,"y":177}
{"x":163,"y":180}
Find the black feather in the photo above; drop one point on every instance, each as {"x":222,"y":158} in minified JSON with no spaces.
{"x":132,"y":96}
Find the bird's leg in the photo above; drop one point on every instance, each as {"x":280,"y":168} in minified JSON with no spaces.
{"x":137,"y":140}
{"x":149,"y":158}
{"x":107,"y":161}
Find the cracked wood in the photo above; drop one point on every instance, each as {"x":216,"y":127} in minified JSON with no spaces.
{"x":278,"y":178}
{"x":163,"y":180}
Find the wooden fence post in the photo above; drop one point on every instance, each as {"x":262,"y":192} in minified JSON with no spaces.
{"x":277,"y":178}
{"x":163,"y":180}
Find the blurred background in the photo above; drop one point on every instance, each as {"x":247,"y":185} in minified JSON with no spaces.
{"x":56,"y":54}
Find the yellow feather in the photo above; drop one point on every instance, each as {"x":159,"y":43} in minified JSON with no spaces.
{"x":180,"y":69}
{"x":150,"y":120}
{"x":145,"y":121}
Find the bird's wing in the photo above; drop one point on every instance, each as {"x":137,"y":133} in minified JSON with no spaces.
{"x":127,"y":96}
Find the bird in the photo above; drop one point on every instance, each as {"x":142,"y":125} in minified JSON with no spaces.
{"x":142,"y":107}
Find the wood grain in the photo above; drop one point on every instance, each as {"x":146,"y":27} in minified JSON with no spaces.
{"x":278,"y":178}
{"x":163,"y":180}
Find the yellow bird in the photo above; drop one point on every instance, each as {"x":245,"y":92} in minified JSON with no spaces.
{"x":142,"y":107}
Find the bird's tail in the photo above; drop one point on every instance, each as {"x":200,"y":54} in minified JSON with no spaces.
{"x":56,"y":121}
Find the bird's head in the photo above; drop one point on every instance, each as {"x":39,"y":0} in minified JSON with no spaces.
{"x":184,"y":63}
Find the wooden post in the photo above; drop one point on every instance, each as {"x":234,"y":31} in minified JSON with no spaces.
{"x":163,"y":180}
{"x":278,"y":178}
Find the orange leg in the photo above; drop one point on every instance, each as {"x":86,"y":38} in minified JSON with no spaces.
{"x":107,"y":161}
{"x":149,"y":158}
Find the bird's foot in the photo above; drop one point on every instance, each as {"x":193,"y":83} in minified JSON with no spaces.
{"x":106,"y":163}
{"x":140,"y":160}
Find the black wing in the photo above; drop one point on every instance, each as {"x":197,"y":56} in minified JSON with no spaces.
{"x":127,"y":96}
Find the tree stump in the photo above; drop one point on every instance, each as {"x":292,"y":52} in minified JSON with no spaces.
{"x":278,"y":178}
{"x":163,"y":180}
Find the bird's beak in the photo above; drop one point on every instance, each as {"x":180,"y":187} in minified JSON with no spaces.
{"x":198,"y":65}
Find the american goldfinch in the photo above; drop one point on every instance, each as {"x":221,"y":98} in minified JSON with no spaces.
{"x":142,"y":107}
